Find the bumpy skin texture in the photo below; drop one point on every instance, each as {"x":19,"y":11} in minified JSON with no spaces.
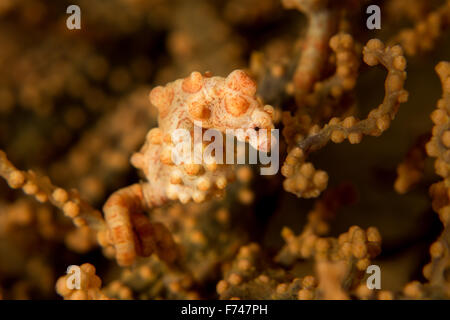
{"x":198,"y":100}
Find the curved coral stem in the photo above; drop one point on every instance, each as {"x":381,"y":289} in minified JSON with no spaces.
{"x":302,"y":179}
{"x":438,"y":147}
{"x":321,"y":26}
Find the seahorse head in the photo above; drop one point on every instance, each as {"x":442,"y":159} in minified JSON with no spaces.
{"x":229,"y":105}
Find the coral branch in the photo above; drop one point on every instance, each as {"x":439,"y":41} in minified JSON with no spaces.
{"x":43,"y":190}
{"x":344,"y":78}
{"x":325,"y":209}
{"x":410,"y":170}
{"x":251,"y":276}
{"x":438,"y":147}
{"x":302,"y":179}
{"x":340,"y":262}
{"x":424,"y":35}
{"x":322,"y":24}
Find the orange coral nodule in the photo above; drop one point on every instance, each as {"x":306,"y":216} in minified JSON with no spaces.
{"x":161,"y":98}
{"x":193,"y":83}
